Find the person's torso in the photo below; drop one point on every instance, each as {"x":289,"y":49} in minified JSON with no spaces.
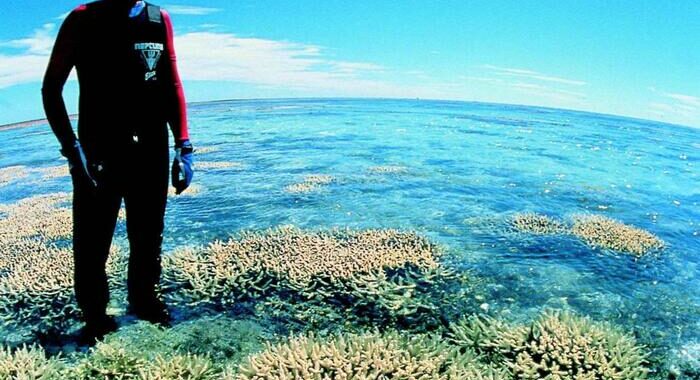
{"x":122,"y":72}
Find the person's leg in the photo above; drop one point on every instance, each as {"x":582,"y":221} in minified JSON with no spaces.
{"x":94,"y":218}
{"x":145,"y":200}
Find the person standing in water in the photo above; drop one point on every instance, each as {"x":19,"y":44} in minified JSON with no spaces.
{"x":130,"y":91}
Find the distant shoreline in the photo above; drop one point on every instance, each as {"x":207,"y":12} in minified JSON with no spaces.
{"x":30,"y":123}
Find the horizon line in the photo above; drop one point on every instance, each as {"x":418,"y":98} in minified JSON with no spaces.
{"x":34,"y":122}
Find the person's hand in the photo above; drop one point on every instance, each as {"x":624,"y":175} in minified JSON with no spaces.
{"x":183,"y":166}
{"x":78,"y":165}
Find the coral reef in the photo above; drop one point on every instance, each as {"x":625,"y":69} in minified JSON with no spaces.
{"x":534,"y":223}
{"x":29,"y":363}
{"x":559,"y":345}
{"x":312,"y":182}
{"x":292,"y":258}
{"x":367,"y":356}
{"x":205,"y":165}
{"x":193,"y":190}
{"x":387,"y":169}
{"x":206,"y":149}
{"x":36,"y":275}
{"x":12,"y":173}
{"x":54,"y":172}
{"x":601,"y":231}
{"x":322,"y":277}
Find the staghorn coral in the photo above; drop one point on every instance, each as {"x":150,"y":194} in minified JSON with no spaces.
{"x":312,"y":182}
{"x":12,"y":173}
{"x":29,"y":363}
{"x":38,"y":287}
{"x":36,"y":276}
{"x":53,"y":172}
{"x":206,"y":149}
{"x":290,"y":258}
{"x":556,"y":346}
{"x":191,"y":191}
{"x":205,"y":165}
{"x":387,"y":169}
{"x":204,"y":348}
{"x":39,"y":216}
{"x":115,"y":362}
{"x":374,"y":355}
{"x":534,"y":223}
{"x":601,"y":231}
{"x":300,"y":188}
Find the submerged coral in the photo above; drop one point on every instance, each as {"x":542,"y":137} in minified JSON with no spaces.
{"x":387,"y":169}
{"x":311,"y":277}
{"x":556,"y":346}
{"x":388,"y":355}
{"x":312,"y":182}
{"x":604,"y":232}
{"x":299,"y":259}
{"x":36,"y":285}
{"x":534,"y":223}
{"x":12,"y":173}
{"x":29,"y":363}
{"x":54,"y":172}
{"x":204,"y":165}
{"x":191,"y":191}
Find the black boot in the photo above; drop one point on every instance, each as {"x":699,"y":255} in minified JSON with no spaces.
{"x":95,"y":329}
{"x":153,"y":310}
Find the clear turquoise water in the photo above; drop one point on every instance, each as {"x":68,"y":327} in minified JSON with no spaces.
{"x":468,"y":167}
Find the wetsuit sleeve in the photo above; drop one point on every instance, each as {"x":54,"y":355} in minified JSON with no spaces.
{"x":63,"y":58}
{"x":177,"y":111}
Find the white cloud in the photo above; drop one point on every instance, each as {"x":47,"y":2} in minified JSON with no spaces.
{"x":227,"y":57}
{"x":28,"y":65}
{"x":39,"y":43}
{"x":675,"y":108}
{"x":532,"y":75}
{"x":190,"y":10}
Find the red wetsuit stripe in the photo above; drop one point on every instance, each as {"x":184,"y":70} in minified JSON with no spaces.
{"x":62,"y":61}
{"x":178,"y":117}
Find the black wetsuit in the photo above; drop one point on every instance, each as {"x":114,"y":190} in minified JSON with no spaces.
{"x":129,"y":92}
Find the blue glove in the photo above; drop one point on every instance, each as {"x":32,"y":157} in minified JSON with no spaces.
{"x":183,"y":166}
{"x":78,"y":165}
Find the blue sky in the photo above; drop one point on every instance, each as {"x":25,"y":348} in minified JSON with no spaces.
{"x":634,"y":58}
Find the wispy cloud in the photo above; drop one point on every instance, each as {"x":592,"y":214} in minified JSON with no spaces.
{"x":532,"y":75}
{"x":190,"y":10}
{"x":675,"y":107}
{"x":529,"y":86}
{"x":227,"y":57}
{"x":27,"y":65}
{"x":40,"y":42}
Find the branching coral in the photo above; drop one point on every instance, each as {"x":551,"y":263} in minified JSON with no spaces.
{"x":54,"y":172}
{"x":536,"y":224}
{"x":387,"y":169}
{"x":191,"y":191}
{"x":12,"y":173}
{"x":600,"y":231}
{"x":372,"y":274}
{"x":312,"y":182}
{"x":204,"y":165}
{"x":29,"y":363}
{"x":557,"y":346}
{"x":36,"y":276}
{"x":291,"y":258}
{"x":374,"y":355}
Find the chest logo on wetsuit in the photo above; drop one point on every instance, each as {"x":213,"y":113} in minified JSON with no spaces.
{"x":150,"y":53}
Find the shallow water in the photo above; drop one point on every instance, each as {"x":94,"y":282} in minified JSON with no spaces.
{"x":465,"y":168}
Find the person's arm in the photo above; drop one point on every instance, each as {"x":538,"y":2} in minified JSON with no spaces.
{"x":177,"y":112}
{"x":60,"y":65}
